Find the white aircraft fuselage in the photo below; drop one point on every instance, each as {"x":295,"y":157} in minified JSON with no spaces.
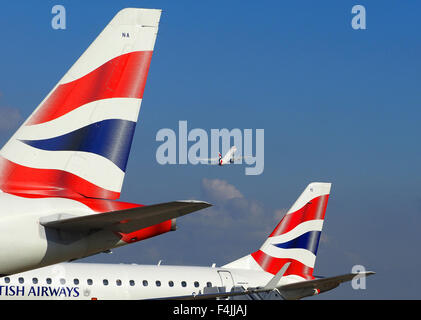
{"x":281,"y":269}
{"x":86,"y":281}
{"x":27,"y":244}
{"x":228,"y":158}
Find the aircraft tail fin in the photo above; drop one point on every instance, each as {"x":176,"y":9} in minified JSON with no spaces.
{"x":77,"y":141}
{"x":295,"y":239}
{"x":229,"y":156}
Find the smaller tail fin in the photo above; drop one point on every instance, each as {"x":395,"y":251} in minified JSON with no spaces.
{"x":295,"y":239}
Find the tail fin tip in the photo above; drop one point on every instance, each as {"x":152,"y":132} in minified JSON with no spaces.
{"x":77,"y":141}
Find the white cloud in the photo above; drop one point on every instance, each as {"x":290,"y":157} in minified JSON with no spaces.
{"x":232,"y":213}
{"x":219,"y":190}
{"x":234,"y":221}
{"x":10,"y":118}
{"x":279,"y":214}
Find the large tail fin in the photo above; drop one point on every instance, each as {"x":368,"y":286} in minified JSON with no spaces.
{"x":77,"y":141}
{"x":295,"y":239}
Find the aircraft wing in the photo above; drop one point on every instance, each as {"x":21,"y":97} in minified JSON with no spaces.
{"x":241,"y":158}
{"x":208,"y":159}
{"x":128,"y":220}
{"x":210,"y":163}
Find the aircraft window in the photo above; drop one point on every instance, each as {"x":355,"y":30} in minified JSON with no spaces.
{"x":196,"y":284}
{"x":132,"y":283}
{"x":76,"y":281}
{"x":158,"y":283}
{"x":145,"y":283}
{"x":118,"y":282}
{"x":48,"y":280}
{"x":63,"y":281}
{"x":21,"y":280}
{"x":183,"y":283}
{"x":7,"y":280}
{"x":105,"y":282}
{"x":34,"y":280}
{"x":171,"y":283}
{"x":89,"y":282}
{"x":209,"y":284}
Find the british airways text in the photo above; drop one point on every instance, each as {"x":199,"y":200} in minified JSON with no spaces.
{"x":39,"y":291}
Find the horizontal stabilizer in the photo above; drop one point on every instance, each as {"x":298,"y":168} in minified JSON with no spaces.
{"x":128,"y":220}
{"x":324,"y":284}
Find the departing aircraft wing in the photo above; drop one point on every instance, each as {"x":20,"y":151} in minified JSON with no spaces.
{"x":210,"y":161}
{"x":241,"y":158}
{"x":128,"y":220}
{"x":207,"y":159}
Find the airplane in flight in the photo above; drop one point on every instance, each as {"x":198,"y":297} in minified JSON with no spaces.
{"x":63,"y":169}
{"x":228,"y":158}
{"x":281,"y":269}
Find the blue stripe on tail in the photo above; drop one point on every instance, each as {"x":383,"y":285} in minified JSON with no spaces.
{"x":308,"y":241}
{"x":111,"y":139}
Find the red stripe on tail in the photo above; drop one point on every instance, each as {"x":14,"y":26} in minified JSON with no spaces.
{"x":273,"y":265}
{"x":313,"y":210}
{"x":122,"y":77}
{"x":49,"y":182}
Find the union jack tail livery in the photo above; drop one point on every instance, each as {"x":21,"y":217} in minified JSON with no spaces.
{"x":295,"y":239}
{"x":281,"y":269}
{"x":63,"y":169}
{"x":77,"y":141}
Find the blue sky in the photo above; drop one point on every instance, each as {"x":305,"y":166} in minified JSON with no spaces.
{"x":337,"y":104}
